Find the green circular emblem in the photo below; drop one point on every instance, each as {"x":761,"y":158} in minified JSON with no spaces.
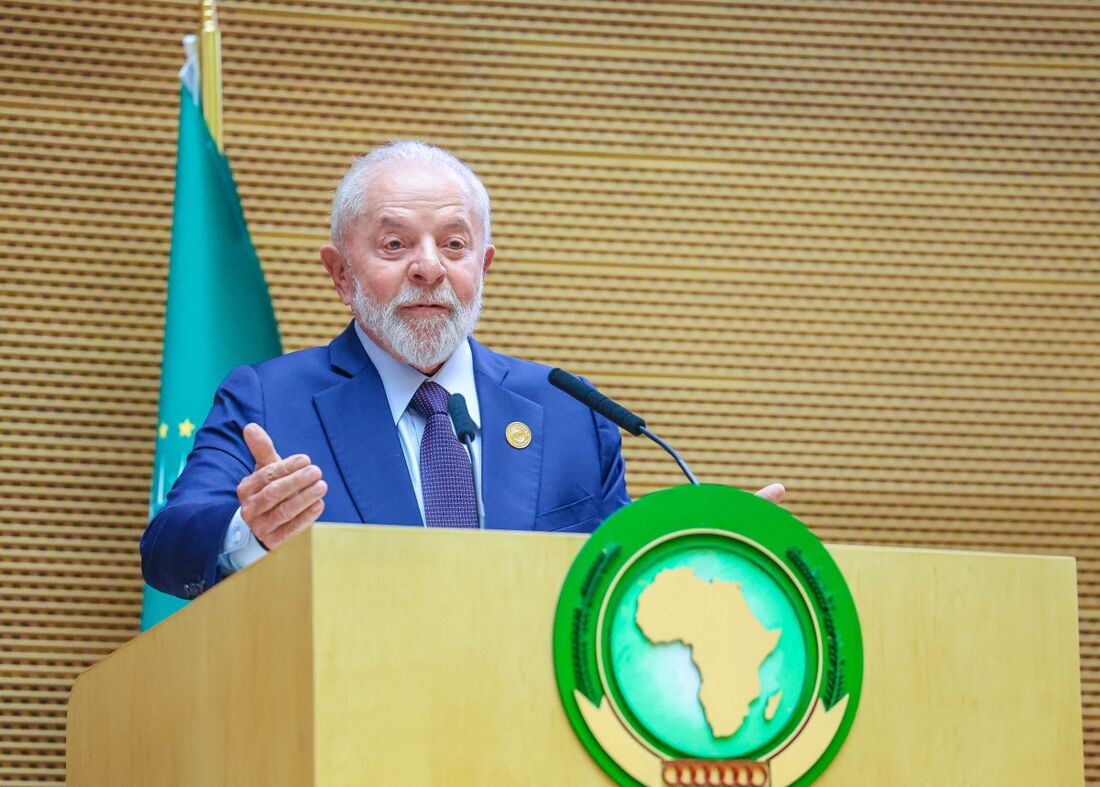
{"x":705,"y":636}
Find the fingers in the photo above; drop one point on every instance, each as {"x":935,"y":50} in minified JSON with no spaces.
{"x":773,"y":493}
{"x":259,"y":443}
{"x":295,"y":525}
{"x":269,"y":474}
{"x":270,"y":526}
{"x":270,"y":496}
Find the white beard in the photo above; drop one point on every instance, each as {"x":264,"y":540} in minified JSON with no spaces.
{"x":423,"y":342}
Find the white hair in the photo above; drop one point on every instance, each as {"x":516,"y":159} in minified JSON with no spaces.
{"x":350,"y":199}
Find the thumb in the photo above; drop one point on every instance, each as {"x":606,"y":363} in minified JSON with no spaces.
{"x":259,"y":443}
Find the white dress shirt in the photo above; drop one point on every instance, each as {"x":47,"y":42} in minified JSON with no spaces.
{"x":400,"y":381}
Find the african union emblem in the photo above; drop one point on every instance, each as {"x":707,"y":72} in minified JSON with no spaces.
{"x":705,"y":636}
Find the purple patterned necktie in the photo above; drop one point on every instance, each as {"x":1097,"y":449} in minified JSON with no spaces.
{"x":446,"y":480}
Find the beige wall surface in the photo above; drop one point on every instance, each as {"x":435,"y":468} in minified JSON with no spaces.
{"x":853,"y":246}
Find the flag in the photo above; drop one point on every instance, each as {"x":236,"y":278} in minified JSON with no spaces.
{"x":218,"y":312}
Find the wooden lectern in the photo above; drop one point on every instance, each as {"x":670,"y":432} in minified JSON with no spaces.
{"x":390,"y":655}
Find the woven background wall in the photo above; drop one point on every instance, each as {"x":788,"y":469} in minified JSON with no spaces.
{"x":852,"y":246}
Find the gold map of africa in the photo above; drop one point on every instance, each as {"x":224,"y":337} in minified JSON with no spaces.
{"x":728,"y":643}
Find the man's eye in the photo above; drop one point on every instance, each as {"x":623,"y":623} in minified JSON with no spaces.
{"x":393,"y":244}
{"x":455,"y":245}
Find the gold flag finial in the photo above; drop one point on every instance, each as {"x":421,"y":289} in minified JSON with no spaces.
{"x":211,"y":70}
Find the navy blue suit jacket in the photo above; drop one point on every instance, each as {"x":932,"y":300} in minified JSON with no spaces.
{"x":329,"y":403}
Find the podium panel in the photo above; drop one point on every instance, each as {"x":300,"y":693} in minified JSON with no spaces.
{"x":377,"y":655}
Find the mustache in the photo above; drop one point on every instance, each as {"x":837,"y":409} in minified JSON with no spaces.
{"x":437,"y":296}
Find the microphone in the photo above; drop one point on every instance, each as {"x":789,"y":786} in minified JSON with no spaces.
{"x":614,"y":412}
{"x":586,"y":394}
{"x":460,"y":416}
{"x":465,"y":431}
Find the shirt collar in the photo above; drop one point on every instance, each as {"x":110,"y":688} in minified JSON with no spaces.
{"x":401,"y":380}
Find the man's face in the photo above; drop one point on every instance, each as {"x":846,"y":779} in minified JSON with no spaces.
{"x":415,"y":262}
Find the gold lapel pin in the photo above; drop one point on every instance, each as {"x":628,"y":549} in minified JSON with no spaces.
{"x":518,"y":434}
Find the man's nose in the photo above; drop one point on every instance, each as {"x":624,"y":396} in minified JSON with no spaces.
{"x":426,"y":267}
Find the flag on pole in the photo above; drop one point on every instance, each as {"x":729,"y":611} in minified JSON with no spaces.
{"x":218,"y":312}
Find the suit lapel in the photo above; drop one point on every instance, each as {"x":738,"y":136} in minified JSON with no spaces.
{"x":360,"y":430}
{"x":509,"y":476}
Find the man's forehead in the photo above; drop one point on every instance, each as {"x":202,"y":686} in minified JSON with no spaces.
{"x":399,"y":191}
{"x":416,"y":180}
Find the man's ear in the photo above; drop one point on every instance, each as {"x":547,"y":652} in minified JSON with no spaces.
{"x":333,"y":261}
{"x":490,"y":252}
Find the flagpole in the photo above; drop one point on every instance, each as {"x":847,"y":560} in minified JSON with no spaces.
{"x":211,"y":70}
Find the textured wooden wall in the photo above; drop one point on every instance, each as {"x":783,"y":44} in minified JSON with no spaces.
{"x":852,"y":246}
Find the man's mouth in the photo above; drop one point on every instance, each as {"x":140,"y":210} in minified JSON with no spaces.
{"x":424,"y":309}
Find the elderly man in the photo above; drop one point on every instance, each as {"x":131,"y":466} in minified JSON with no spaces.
{"x":363,"y":422}
{"x":358,"y":431}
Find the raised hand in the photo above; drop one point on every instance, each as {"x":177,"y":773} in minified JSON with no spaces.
{"x":281,"y":497}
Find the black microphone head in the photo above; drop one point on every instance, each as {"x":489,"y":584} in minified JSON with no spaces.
{"x":465,"y":429}
{"x":589,"y":396}
{"x":572,"y":385}
{"x":613,"y":411}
